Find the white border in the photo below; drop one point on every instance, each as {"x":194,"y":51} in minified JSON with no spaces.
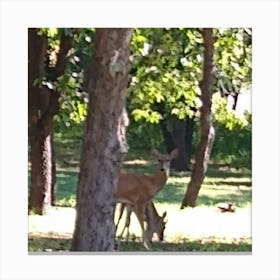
{"x":17,"y":16}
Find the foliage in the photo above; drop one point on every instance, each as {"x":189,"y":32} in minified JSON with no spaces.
{"x":142,"y":136}
{"x":166,"y":68}
{"x":234,"y":147}
{"x":226,"y":116}
{"x":233,"y":144}
{"x":233,"y":55}
{"x":165,"y":75}
{"x":71,"y":85}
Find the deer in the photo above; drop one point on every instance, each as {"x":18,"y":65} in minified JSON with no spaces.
{"x":155,"y":223}
{"x":137,"y":190}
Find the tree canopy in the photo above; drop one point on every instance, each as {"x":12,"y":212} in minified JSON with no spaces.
{"x":165,"y":73}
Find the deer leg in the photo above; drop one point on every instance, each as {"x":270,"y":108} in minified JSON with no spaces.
{"x":122,"y":206}
{"x":140,"y":213}
{"x":150,"y":223}
{"x":127,"y":221}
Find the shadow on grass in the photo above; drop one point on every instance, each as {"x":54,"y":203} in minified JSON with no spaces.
{"x":234,"y":183}
{"x":237,"y":200}
{"x":188,"y":246}
{"x":214,"y":173}
{"x":45,"y":244}
{"x":66,"y":188}
{"x":48,"y":244}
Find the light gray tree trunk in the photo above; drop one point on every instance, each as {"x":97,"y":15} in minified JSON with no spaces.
{"x":103,"y":142}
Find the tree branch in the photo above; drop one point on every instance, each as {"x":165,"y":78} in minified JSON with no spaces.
{"x":66,"y":43}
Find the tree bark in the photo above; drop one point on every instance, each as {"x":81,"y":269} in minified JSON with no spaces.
{"x":167,"y":137}
{"x":40,"y":156}
{"x":207,"y":130}
{"x":42,"y":107}
{"x":53,"y":171}
{"x":188,"y":140}
{"x":39,"y":199}
{"x":179,"y":139}
{"x":103,"y":142}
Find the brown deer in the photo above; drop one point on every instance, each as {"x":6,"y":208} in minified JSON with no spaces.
{"x":138,"y":190}
{"x":155,"y":223}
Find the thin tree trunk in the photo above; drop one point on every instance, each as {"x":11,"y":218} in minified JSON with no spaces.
{"x":206,"y":128}
{"x":53,"y":176}
{"x":102,"y":144}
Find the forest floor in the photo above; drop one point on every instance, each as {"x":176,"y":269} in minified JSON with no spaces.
{"x":203,"y":225}
{"x":202,"y":228}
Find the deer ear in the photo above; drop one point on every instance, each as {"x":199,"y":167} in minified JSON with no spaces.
{"x":154,"y":153}
{"x":174,"y":153}
{"x":164,"y":214}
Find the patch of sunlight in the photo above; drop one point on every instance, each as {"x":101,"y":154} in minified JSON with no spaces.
{"x":190,"y":223}
{"x":59,"y":220}
{"x":137,"y":162}
{"x":67,"y":202}
{"x":178,"y":180}
{"x":202,"y":221}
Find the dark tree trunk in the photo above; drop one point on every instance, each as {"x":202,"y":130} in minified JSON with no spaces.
{"x":39,"y":199}
{"x":206,"y":128}
{"x":188,"y":140}
{"x":179,"y":134}
{"x":235,"y":98}
{"x":42,"y":107}
{"x":167,"y":137}
{"x":40,"y":156}
{"x":180,"y":138}
{"x":102,"y":143}
{"x":53,"y":171}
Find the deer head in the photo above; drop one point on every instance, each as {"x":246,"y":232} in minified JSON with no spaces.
{"x":164,"y":160}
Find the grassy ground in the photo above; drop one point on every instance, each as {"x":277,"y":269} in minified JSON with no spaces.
{"x":203,"y":228}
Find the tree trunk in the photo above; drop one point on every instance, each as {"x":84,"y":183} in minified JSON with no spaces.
{"x":167,"y":137}
{"x":41,"y":173}
{"x":40,"y":190}
{"x":179,"y":139}
{"x":188,"y":140}
{"x":206,"y":128}
{"x":102,"y":142}
{"x":42,"y":107}
{"x":53,"y":175}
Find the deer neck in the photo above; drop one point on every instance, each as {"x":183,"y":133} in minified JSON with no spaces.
{"x":159,"y":181}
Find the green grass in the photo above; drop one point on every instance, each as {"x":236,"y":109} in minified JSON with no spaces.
{"x":218,"y":186}
{"x":48,"y":244}
{"x":223,"y":183}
